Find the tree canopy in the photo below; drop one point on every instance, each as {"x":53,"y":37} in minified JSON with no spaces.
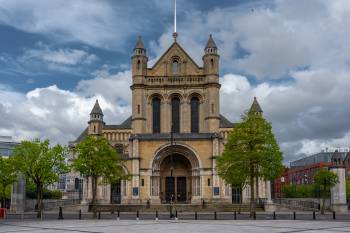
{"x":326,"y":180}
{"x":40,"y":163}
{"x":251,"y":152}
{"x":97,"y":159}
{"x":8,"y":176}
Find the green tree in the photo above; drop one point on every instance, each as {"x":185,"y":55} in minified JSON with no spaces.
{"x":8,"y":176}
{"x":251,"y":152}
{"x":40,"y":164}
{"x":97,"y":159}
{"x":326,"y":180}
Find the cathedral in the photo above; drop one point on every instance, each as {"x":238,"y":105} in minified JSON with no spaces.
{"x":170,"y":143}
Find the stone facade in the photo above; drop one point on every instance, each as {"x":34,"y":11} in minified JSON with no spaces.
{"x":176,"y":131}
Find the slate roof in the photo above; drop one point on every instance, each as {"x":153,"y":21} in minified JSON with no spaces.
{"x":96,"y":109}
{"x":211,"y":43}
{"x":125,"y":125}
{"x":255,"y":107}
{"x":139,"y":43}
{"x":225,"y":123}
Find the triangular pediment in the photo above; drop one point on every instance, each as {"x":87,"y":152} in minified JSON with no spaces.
{"x":162,"y":66}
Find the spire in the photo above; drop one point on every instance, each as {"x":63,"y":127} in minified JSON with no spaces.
{"x":255,"y":108}
{"x":139,"y":43}
{"x":96,"y":109}
{"x":211,"y":43}
{"x":175,"y":32}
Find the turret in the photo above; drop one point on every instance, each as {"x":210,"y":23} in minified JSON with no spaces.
{"x":211,"y":57}
{"x":139,"y":60}
{"x":96,"y":122}
{"x":255,"y":108}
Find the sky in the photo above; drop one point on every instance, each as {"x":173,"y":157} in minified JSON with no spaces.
{"x":57,"y":57}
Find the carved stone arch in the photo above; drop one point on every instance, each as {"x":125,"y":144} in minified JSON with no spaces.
{"x":195,"y":94}
{"x":180,"y":148}
{"x":153,"y":95}
{"x":173,"y":94}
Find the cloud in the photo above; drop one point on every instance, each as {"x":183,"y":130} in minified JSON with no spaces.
{"x":96,"y":23}
{"x":65,"y":57}
{"x":57,"y":114}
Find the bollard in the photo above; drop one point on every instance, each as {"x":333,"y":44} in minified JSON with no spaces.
{"x":60,"y":214}
{"x":176,"y":215}
{"x":99,"y":215}
{"x":254,"y":215}
{"x":314,"y":215}
{"x":156,"y":215}
{"x":195,"y":216}
{"x":215,"y":217}
{"x":137,"y":216}
{"x":294,"y":215}
{"x":79,"y":214}
{"x":118,"y":215}
{"x":274,"y":215}
{"x":235,"y":216}
{"x":333,"y":215}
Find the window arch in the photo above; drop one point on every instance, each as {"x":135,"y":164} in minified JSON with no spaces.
{"x":174,"y":67}
{"x":175,"y":114}
{"x":138,"y":64}
{"x":156,"y":114}
{"x":194,"y":115}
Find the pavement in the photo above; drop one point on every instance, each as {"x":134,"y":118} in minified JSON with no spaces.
{"x":169,"y":226}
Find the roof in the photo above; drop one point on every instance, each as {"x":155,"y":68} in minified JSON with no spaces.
{"x":255,"y":107}
{"x":322,"y":157}
{"x":225,"y":123}
{"x":125,"y":125}
{"x":139,"y":43}
{"x":211,"y":43}
{"x":96,"y":109}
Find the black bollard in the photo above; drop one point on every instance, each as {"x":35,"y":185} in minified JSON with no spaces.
{"x":274,"y":215}
{"x":314,"y":215}
{"x":79,"y":214}
{"x":99,"y":215}
{"x":60,"y":214}
{"x":118,"y":214}
{"x":156,"y":214}
{"x":235,"y":216}
{"x":294,"y":215}
{"x":176,"y":215}
{"x":195,"y":216}
{"x":254,"y":215}
{"x":137,"y":215}
{"x":215,"y":217}
{"x":333,"y":215}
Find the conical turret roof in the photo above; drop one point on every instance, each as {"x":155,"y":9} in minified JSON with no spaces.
{"x":255,"y":108}
{"x":210,"y":43}
{"x":96,"y":109}
{"x":139,"y":43}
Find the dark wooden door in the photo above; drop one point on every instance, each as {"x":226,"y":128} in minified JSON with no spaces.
{"x":116,"y":193}
{"x":236,"y":195}
{"x":169,"y":189}
{"x":181,"y":189}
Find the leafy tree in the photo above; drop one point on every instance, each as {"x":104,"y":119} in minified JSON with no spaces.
{"x":251,"y":152}
{"x":8,"y":176}
{"x":347,"y":189}
{"x":326,"y":180}
{"x":96,"y":158}
{"x":40,"y":164}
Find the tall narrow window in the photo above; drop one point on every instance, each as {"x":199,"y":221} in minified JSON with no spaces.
{"x":175,"y":67}
{"x":156,"y":115}
{"x":175,"y":114}
{"x":194,"y":115}
{"x":138,"y":109}
{"x":138,"y":64}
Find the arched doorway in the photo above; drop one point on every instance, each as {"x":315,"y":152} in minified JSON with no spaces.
{"x":175,"y":179}
{"x":175,"y":175}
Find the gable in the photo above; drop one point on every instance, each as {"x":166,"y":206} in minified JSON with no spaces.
{"x":163,"y":66}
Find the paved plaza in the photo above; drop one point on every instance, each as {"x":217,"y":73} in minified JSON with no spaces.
{"x":132,"y":226}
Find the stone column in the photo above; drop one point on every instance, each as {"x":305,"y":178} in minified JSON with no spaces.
{"x":269,"y":206}
{"x":135,"y":171}
{"x":18,"y":196}
{"x":338,"y":192}
{"x":216,"y":181}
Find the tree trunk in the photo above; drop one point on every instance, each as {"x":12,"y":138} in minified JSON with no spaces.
{"x":252,"y":200}
{"x":39,"y":200}
{"x":94,"y":192}
{"x":323,"y":205}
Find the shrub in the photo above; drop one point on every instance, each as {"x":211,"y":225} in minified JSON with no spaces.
{"x":47,"y":194}
{"x":301,"y":191}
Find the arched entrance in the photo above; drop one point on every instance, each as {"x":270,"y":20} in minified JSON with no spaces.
{"x":175,"y":175}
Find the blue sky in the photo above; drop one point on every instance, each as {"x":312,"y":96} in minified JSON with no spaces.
{"x":57,"y":57}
